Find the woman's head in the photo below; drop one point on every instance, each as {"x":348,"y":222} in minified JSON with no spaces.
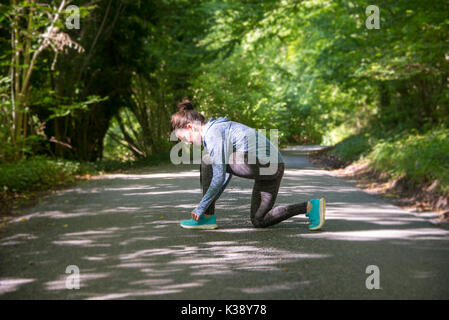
{"x":187,"y":123}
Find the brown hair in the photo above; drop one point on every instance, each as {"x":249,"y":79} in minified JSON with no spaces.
{"x":185,"y":115}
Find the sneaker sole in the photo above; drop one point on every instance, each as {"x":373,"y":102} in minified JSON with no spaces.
{"x":322,"y":215}
{"x":201,"y":227}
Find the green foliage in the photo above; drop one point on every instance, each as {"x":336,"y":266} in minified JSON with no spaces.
{"x":308,"y":68}
{"x":110,"y":165}
{"x":422,"y":158}
{"x":257,"y":84}
{"x":23,"y":145}
{"x":274,"y":69}
{"x":40,"y":173}
{"x":338,"y":134}
{"x":62,"y":110}
{"x":352,"y":147}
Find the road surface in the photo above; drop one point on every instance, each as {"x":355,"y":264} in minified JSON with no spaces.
{"x":121,"y":232}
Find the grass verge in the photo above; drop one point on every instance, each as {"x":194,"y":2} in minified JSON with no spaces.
{"x":410,"y":167}
{"x":22,"y":182}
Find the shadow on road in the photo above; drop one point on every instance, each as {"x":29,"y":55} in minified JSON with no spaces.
{"x":122,"y":233}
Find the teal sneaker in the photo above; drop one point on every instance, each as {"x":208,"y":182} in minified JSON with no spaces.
{"x":307,"y":213}
{"x":316,"y":215}
{"x":203,"y":223}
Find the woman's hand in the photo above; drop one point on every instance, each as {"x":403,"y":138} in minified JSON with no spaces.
{"x":195,"y":216}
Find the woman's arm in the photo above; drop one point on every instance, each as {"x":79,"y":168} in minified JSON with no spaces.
{"x":217,"y":147}
{"x":218,"y":183}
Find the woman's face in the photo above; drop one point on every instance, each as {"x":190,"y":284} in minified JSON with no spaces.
{"x":191,"y":134}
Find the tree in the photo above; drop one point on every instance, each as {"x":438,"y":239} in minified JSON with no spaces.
{"x":34,"y":27}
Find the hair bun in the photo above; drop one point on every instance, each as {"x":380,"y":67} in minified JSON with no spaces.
{"x":185,"y":105}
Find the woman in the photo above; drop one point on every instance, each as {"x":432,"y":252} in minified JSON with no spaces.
{"x":230,"y":152}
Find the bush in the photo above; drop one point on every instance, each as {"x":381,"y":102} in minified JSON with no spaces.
{"x":39,"y":173}
{"x":117,"y":165}
{"x":353,"y":147}
{"x":421,"y":158}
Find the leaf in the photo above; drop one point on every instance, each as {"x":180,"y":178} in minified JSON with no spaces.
{"x":65,"y":110}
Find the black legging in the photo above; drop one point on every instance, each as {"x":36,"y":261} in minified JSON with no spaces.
{"x":264,"y":195}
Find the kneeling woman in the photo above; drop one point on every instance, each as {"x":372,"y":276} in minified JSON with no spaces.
{"x":230,"y":153}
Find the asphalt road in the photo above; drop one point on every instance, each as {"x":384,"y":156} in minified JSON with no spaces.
{"x":122,"y":233}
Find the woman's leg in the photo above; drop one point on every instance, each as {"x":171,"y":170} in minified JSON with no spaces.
{"x":264,"y":195}
{"x":263,"y":198}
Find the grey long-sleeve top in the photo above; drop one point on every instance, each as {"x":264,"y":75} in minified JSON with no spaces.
{"x":221,"y":138}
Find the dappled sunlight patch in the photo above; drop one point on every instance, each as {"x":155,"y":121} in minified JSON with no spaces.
{"x":304,"y":148}
{"x":101,"y":238}
{"x":85,"y":277}
{"x":286,"y":189}
{"x":221,"y":243}
{"x":239,"y":191}
{"x":197,"y":283}
{"x":162,"y":222}
{"x":189,"y":205}
{"x":342,"y":214}
{"x":372,"y":221}
{"x":17,"y":239}
{"x":135,"y":265}
{"x":148,"y":208}
{"x":134,"y":294}
{"x":160,"y":286}
{"x":120,"y":209}
{"x":81,"y":212}
{"x":170,"y":192}
{"x":243,"y":209}
{"x":102,"y":190}
{"x":302,"y":172}
{"x":219,"y":258}
{"x":157,"y":272}
{"x":237,"y":257}
{"x":239,"y":230}
{"x":147,"y":253}
{"x":12,"y":284}
{"x":139,"y":187}
{"x":183,"y":174}
{"x":275,"y":287}
{"x":151,"y":282}
{"x":213,"y":269}
{"x":382,"y":234}
{"x":92,"y":232}
{"x":100,"y":257}
{"x":84,"y":243}
{"x":81,"y":242}
{"x":166,"y":185}
{"x":126,"y":242}
{"x":315,"y":189}
{"x":162,"y":226}
{"x":358,"y":216}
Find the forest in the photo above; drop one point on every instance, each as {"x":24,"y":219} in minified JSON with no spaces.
{"x":90,"y":86}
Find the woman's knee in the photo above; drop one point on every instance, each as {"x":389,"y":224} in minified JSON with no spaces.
{"x":257,"y":223}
